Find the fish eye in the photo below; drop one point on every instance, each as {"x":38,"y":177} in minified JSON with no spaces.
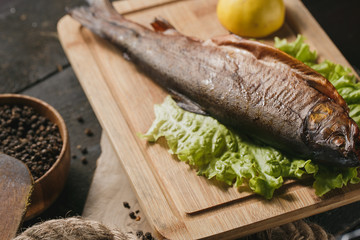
{"x":338,"y":141}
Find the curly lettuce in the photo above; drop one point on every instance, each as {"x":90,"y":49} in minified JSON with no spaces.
{"x":218,"y":152}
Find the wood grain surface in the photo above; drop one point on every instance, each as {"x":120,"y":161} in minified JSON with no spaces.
{"x":30,"y":49}
{"x":16,"y":184}
{"x":179,"y":204}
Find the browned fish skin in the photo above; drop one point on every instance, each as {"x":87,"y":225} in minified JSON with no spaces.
{"x":242,"y":83}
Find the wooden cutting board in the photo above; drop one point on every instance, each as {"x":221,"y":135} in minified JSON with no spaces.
{"x":179,"y":204}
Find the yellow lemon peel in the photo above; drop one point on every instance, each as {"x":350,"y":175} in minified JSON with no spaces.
{"x":251,"y":18}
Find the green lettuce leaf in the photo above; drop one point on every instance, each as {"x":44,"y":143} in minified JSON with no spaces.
{"x":328,"y":178}
{"x":218,"y":152}
{"x":297,"y":49}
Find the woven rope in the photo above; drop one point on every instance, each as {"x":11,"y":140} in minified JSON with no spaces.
{"x":73,"y":229}
{"x":80,"y":229}
{"x":299,"y":230}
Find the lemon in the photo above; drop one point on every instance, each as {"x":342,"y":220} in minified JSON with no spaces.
{"x":251,"y":18}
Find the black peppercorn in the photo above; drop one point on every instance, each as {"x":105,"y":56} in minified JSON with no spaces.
{"x":132,"y":215}
{"x":139,"y":234}
{"x":29,"y":137}
{"x":126,"y":204}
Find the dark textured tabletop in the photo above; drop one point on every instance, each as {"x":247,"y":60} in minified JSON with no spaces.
{"x":32,"y":62}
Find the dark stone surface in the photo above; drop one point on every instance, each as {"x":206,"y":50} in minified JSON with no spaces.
{"x":30,"y":50}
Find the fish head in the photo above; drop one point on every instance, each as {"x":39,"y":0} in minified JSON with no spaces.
{"x":332,"y":135}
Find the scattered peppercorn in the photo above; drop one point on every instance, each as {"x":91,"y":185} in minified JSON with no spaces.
{"x":84,"y":160}
{"x":148,"y":235}
{"x":80,"y":119}
{"x":139,"y":233}
{"x":29,"y":137}
{"x":132,"y":215}
{"x":74,"y":156}
{"x":88,"y":132}
{"x":84,"y":150}
{"x":137,"y":211}
{"x":138,"y":218}
{"x":126,"y":205}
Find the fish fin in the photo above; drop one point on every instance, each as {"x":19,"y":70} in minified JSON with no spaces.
{"x":268,"y":53}
{"x":105,"y":6}
{"x":97,"y":11}
{"x":161,"y":25}
{"x":186,"y":103}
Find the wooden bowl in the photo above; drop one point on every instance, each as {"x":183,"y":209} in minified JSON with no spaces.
{"x":48,"y":187}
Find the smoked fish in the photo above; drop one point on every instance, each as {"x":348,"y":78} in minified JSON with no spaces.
{"x":247,"y":85}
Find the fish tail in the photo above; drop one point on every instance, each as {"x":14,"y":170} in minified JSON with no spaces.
{"x":95,"y":14}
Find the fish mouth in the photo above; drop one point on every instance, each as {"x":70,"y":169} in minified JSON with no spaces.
{"x":350,"y":149}
{"x":351,"y":161}
{"x":338,"y":153}
{"x":337,"y":159}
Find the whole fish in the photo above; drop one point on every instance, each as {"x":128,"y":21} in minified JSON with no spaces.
{"x":244,"y":84}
